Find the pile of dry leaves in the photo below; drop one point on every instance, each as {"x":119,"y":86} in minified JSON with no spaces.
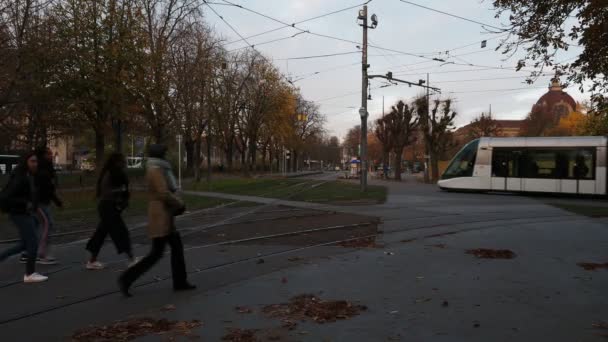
{"x":311,"y":307}
{"x":485,"y":253}
{"x":592,"y":266}
{"x":240,"y":335}
{"x":134,"y":328}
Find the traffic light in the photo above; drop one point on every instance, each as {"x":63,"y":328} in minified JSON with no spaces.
{"x":389,"y":75}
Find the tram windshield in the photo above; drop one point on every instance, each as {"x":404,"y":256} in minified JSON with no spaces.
{"x":463,"y":163}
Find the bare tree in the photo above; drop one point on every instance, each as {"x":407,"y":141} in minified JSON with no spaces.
{"x":484,"y":126}
{"x":307,"y":123}
{"x":227,"y":101}
{"x":383,"y":134}
{"x":401,"y":123}
{"x":436,"y":128}
{"x":192,"y":67}
{"x":163,"y":19}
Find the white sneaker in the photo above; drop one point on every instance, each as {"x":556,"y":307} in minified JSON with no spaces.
{"x":96,"y":265}
{"x":34,"y":278}
{"x":47,"y":261}
{"x":132,"y":263}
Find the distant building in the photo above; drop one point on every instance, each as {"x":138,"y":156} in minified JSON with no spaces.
{"x":554,"y":104}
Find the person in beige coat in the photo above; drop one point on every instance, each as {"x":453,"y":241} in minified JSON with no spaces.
{"x":164,"y":205}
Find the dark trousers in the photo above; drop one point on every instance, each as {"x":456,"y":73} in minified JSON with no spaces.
{"x":27,"y":226}
{"x":110,"y":223}
{"x":178,"y":265}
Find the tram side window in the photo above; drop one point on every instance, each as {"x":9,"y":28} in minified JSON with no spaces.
{"x":558,"y":164}
{"x":540,"y":164}
{"x":505,"y":162}
{"x":581,"y":164}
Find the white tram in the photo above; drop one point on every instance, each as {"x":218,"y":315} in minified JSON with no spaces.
{"x":569,"y":165}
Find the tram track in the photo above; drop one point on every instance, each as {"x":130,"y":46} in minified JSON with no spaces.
{"x":386,"y":233}
{"x":140,"y":226}
{"x":224,"y":222}
{"x":258,"y":256}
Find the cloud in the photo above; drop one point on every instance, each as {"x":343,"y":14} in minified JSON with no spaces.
{"x":527,"y":97}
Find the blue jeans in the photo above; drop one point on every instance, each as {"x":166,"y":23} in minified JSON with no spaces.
{"x":27,"y":226}
{"x":46,"y":228}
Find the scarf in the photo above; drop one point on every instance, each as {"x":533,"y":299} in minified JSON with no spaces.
{"x":167,"y":171}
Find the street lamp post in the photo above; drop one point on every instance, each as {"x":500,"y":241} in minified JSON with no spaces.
{"x":363,"y":114}
{"x":364,"y":83}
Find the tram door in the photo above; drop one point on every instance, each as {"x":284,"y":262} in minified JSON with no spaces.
{"x":506,"y":169}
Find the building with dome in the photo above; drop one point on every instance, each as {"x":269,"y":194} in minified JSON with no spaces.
{"x":556,"y":103}
{"x":552,"y":106}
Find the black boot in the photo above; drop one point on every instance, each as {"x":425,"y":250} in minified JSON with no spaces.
{"x":124,"y":287}
{"x":184,"y":287}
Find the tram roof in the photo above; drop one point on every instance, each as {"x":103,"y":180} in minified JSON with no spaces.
{"x":544,"y":142}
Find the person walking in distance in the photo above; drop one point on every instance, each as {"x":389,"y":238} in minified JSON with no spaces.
{"x":46,"y":182}
{"x":164,"y":205}
{"x":113,"y":198}
{"x":19,"y":198}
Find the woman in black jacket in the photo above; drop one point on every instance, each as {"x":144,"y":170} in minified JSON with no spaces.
{"x":20,"y":200}
{"x":113,"y":198}
{"x":46,"y":180}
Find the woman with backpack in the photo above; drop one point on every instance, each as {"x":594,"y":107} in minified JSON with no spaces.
{"x":164,"y":205}
{"x":20,"y":200}
{"x":113,"y":198}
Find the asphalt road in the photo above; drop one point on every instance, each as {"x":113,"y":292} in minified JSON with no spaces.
{"x":418,"y":283}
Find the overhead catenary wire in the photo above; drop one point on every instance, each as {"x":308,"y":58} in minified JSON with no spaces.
{"x":329,"y":36}
{"x":490,"y":79}
{"x":268,"y":42}
{"x":244,"y":39}
{"x":295,"y":23}
{"x":493,"y":90}
{"x":426,"y":62}
{"x":308,"y":75}
{"x":318,"y":56}
{"x":454,"y":15}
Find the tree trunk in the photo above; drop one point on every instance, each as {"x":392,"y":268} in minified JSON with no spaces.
{"x":426,"y":162}
{"x":253,"y":147}
{"x":435,"y":167}
{"x":264,"y":152}
{"x":100,"y":146}
{"x":118,"y":128}
{"x":209,"y":159}
{"x":398,"y":158}
{"x":229,"y":150}
{"x":196,"y":159}
{"x":189,"y":146}
{"x":294,"y":157}
{"x":386,"y":161}
{"x":243,"y":160}
{"x":158,"y":135}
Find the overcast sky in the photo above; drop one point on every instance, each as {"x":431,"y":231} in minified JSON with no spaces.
{"x":402,"y":27}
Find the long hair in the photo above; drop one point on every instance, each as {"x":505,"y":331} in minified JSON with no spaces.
{"x":114,"y":168}
{"x":44,"y":164}
{"x":22,"y":168}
